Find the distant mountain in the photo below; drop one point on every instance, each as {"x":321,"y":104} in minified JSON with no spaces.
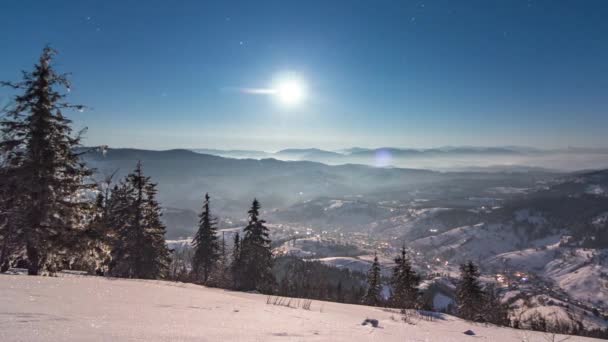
{"x":241,"y":154}
{"x":447,"y":158}
{"x":313,"y":154}
{"x":353,"y":150}
{"x":394,"y":152}
{"x":184,"y":176}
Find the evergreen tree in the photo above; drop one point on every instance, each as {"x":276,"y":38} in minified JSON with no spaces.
{"x":181,"y":260}
{"x":469,"y":294}
{"x":92,"y":251}
{"x":256,"y":253}
{"x":373,"y":296}
{"x":339,"y":293}
{"x":221,"y":276}
{"x":9,"y":221}
{"x":139,"y":249}
{"x":205,"y":243}
{"x":236,"y":264}
{"x":43,"y":178}
{"x":405,"y":283}
{"x":494,"y":311}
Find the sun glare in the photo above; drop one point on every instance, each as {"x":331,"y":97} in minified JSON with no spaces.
{"x":290,"y":91}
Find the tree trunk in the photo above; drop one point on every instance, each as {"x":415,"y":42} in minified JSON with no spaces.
{"x":34,"y":260}
{"x":4,"y":265}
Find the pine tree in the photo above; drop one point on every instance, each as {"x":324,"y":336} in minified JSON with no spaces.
{"x":46,"y":203}
{"x":205,"y":243}
{"x":256,"y":253}
{"x":91,"y":252}
{"x":236,"y":265}
{"x":373,"y":296}
{"x":9,"y":221}
{"x":469,"y":294}
{"x":139,"y":249}
{"x":222,"y":275}
{"x":405,"y":283}
{"x":339,"y":293}
{"x":494,"y":311}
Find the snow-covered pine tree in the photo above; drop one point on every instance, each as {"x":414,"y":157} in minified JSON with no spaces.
{"x":373,"y":296}
{"x":405,"y":283}
{"x":205,"y":244}
{"x":469,"y":294}
{"x":37,"y":144}
{"x":139,"y":249}
{"x":95,"y":253}
{"x":256,"y":253}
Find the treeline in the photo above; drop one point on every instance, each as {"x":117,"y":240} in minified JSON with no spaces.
{"x":314,"y":280}
{"x":49,"y":217}
{"x":473,"y":302}
{"x":53,"y":216}
{"x":245,"y":265}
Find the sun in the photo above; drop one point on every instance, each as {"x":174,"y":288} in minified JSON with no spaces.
{"x":290,"y":90}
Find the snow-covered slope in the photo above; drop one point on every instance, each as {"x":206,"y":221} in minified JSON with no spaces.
{"x":579,"y":272}
{"x":101,"y":309}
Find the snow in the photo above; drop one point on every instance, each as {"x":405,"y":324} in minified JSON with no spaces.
{"x":577,"y":271}
{"x":600,"y":220}
{"x":595,"y":189}
{"x":524,"y":215}
{"x":78,"y":308}
{"x":482,"y":241}
{"x":335,"y":204}
{"x":353,"y":264}
{"x":361,"y":263}
{"x":179,"y":244}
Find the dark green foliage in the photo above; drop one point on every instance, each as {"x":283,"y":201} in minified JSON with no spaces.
{"x":94,"y":251}
{"x":221,"y":275}
{"x":9,"y":223}
{"x":339,"y":293}
{"x":43,"y":181}
{"x":206,"y":246}
{"x":405,"y":283}
{"x":495,"y":311}
{"x":138,"y":249}
{"x":256,"y":254}
{"x":373,"y":296}
{"x":236,"y":265}
{"x":315,"y":280}
{"x":470,"y":297}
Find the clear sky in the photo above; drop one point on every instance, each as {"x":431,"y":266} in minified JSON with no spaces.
{"x":171,"y":74}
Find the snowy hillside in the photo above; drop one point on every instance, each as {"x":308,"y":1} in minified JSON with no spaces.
{"x":101,"y":309}
{"x":579,"y":272}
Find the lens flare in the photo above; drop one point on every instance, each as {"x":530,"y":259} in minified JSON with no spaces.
{"x":383,"y":158}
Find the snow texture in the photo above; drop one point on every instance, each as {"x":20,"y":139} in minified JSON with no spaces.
{"x":80,"y":308}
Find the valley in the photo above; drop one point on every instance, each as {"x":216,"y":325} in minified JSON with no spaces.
{"x":539,"y":236}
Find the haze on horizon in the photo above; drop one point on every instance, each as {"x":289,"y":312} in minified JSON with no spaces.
{"x":272,"y":75}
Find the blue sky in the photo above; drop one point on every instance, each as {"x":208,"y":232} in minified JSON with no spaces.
{"x":163,"y":74}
